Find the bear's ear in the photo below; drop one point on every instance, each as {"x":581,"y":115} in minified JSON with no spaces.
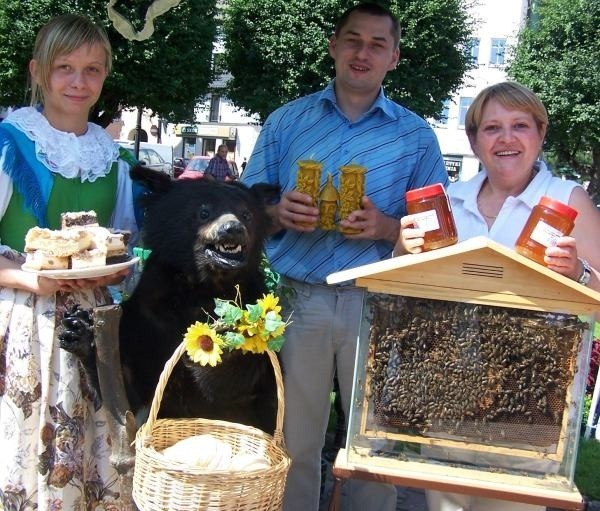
{"x":268,"y":194}
{"x":153,"y":180}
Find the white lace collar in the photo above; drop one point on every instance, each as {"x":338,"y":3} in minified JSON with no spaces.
{"x":88,"y":156}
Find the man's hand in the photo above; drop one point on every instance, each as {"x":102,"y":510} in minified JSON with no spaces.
{"x":372,"y":223}
{"x":296,"y":211}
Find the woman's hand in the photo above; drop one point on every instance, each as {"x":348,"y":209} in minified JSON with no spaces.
{"x":411,"y":239}
{"x":71,"y":285}
{"x":562,"y":258}
{"x":12,"y":276}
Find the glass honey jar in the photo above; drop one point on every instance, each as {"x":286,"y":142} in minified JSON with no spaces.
{"x":432,"y":214}
{"x":549,"y":219}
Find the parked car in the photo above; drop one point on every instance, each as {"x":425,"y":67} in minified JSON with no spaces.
{"x":197,"y":165}
{"x":165,"y":150}
{"x":150,"y":158}
{"x":195,"y":168}
{"x":179,"y":165}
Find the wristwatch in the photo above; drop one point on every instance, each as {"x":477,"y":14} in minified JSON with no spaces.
{"x":586,"y":274}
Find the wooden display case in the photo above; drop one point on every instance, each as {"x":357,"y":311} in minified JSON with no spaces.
{"x":470,"y":373}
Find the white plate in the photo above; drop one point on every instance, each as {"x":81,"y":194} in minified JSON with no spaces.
{"x":83,"y":273}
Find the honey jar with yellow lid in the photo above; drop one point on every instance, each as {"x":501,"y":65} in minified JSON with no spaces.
{"x":432,"y":214}
{"x":549,"y":219}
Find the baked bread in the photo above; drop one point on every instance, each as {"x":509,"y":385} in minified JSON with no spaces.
{"x":40,"y":260}
{"x":80,"y":243}
{"x":61,"y":243}
{"x":88,"y":259}
{"x":78,"y":219}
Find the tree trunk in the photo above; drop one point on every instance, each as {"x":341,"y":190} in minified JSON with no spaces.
{"x":121,"y":422}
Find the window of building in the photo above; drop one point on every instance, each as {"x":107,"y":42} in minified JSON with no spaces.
{"x":474,"y":50}
{"x":215,"y":103}
{"x":497,"y":51}
{"x":463,"y":106}
{"x":209,"y":146}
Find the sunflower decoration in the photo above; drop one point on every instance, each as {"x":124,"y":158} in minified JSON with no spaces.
{"x":254,"y":329}
{"x":203,"y":344}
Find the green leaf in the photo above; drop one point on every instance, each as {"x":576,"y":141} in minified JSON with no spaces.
{"x":229,"y":313}
{"x":233,"y":340}
{"x":255,"y":312}
{"x":273,"y":322}
{"x":276,"y":344}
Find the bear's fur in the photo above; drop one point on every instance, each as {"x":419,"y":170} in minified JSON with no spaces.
{"x":206,"y":237}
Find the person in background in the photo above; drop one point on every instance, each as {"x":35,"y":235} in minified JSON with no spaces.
{"x":218,"y":166}
{"x":243,"y":165}
{"x":54,"y":444}
{"x":350,"y":121}
{"x":506,"y":125}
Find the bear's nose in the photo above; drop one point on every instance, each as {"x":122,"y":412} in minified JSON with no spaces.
{"x":232,"y":227}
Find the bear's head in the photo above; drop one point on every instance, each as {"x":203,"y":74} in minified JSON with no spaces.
{"x":204,"y":228}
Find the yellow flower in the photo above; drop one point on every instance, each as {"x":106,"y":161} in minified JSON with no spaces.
{"x":269,"y":303}
{"x":254,"y":344}
{"x":202,"y":344}
{"x":248,"y":328}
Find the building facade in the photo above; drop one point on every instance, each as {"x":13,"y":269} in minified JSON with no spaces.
{"x":497,"y":25}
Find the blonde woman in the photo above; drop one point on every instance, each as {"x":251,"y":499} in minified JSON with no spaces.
{"x":54,"y":444}
{"x":506,"y":125}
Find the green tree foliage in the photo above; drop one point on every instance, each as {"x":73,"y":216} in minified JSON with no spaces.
{"x":557,"y":56}
{"x":166,"y":73}
{"x":276,"y":51}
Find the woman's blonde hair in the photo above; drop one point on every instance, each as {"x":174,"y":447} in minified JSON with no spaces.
{"x":61,"y":36}
{"x":512,"y":96}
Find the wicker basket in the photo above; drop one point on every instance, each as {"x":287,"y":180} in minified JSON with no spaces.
{"x":160,"y":484}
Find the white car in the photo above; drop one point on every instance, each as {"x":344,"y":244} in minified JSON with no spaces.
{"x":150,"y":158}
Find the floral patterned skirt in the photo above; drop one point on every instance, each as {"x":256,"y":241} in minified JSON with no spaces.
{"x":54,"y":446}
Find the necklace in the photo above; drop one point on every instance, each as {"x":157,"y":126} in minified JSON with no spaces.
{"x":489,"y":217}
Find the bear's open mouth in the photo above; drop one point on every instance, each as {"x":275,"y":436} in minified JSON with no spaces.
{"x":226,"y":255}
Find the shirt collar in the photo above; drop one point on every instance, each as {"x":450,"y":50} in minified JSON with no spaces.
{"x":530,"y":196}
{"x":381,"y":103}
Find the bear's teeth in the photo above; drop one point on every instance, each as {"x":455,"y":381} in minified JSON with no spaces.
{"x":234,"y":249}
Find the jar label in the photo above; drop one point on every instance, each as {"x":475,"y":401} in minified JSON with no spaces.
{"x":426,"y":220}
{"x":545,"y":234}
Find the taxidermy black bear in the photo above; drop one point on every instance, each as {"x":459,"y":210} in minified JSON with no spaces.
{"x":206,"y":238}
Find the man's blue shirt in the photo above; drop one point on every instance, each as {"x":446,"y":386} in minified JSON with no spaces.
{"x":398,"y":148}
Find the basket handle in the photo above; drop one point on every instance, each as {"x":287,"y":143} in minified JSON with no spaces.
{"x":172,"y":362}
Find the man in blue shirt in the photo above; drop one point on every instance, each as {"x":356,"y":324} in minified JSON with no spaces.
{"x":350,"y":121}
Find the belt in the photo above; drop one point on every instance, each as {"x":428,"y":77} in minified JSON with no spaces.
{"x":298,"y":284}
